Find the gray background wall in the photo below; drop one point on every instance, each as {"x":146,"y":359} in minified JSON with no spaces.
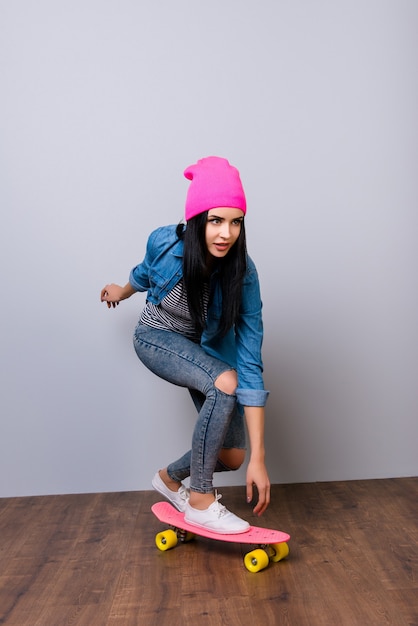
{"x":103,"y":104}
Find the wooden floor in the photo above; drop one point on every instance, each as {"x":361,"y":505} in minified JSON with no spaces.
{"x":90,"y":560}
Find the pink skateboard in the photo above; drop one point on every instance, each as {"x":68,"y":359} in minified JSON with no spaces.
{"x":271,"y":543}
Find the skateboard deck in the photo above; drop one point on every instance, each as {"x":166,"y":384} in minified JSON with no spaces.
{"x":272,"y":543}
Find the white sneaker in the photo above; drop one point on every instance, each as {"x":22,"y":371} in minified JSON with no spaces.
{"x":216,"y":518}
{"x":177,"y":498}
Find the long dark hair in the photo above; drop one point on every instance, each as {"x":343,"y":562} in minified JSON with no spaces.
{"x":231,"y":271}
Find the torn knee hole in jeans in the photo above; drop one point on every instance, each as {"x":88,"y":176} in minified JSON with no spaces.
{"x":227,"y":382}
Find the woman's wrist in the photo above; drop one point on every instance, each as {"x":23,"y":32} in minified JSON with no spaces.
{"x":257,"y":456}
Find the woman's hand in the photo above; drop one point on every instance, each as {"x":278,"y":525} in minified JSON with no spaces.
{"x":257,"y":475}
{"x":113,"y":294}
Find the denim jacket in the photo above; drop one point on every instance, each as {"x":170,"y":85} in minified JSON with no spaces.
{"x":161,"y":270}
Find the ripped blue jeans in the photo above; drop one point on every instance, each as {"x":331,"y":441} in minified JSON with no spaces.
{"x":219,"y":422}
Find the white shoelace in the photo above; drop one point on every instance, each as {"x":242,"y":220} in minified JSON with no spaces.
{"x":220,"y":509}
{"x":184,"y":493}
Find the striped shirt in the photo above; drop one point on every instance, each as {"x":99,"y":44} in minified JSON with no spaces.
{"x":173,"y":312}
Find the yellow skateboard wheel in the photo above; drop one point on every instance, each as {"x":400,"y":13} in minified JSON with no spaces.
{"x":166,"y":540}
{"x":256,"y":560}
{"x":280,"y":551}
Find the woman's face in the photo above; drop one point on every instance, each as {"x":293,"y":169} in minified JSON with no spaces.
{"x":223,"y":227}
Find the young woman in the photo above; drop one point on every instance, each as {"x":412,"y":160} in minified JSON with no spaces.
{"x":201,"y":328}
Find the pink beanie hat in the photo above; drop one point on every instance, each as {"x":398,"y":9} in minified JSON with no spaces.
{"x":215,"y":183}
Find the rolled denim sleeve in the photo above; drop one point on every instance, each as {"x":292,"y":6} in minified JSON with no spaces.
{"x":252,"y":397}
{"x":248,"y":341}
